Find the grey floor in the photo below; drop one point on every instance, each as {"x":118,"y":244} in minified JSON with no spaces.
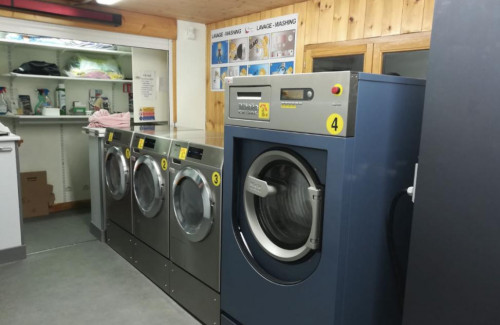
{"x":57,"y":230}
{"x":84,"y":283}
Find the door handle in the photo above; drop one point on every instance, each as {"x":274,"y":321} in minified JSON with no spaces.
{"x":316,"y":199}
{"x":259,"y":187}
{"x":5,"y":149}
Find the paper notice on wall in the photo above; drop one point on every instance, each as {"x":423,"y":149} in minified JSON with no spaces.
{"x":258,"y":48}
{"x":148,"y":85}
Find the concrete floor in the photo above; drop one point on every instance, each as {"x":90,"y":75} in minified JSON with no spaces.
{"x":57,"y":230}
{"x":86,"y":283}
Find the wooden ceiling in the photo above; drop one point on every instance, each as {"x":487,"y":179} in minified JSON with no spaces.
{"x":202,"y":11}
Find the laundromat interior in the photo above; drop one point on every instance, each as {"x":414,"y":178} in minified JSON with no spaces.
{"x":249,"y":162}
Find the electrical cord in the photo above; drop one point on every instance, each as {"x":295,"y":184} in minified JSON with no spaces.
{"x":397,"y":268}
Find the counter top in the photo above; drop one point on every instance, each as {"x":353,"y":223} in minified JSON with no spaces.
{"x":96,"y":132}
{"x":39,"y":119}
{"x":10,"y":137}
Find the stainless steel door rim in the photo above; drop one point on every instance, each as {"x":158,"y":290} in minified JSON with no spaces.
{"x":150,"y":210}
{"x":255,"y":189}
{"x":198,"y":231}
{"x":117,"y":192}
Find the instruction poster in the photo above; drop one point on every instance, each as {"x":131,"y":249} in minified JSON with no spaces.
{"x":260,"y":48}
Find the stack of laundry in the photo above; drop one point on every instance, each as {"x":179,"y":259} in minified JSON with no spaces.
{"x":102,"y":119}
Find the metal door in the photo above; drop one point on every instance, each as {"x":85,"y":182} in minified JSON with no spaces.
{"x":117,"y":173}
{"x":283,"y":201}
{"x":149,"y":186}
{"x":192,"y":203}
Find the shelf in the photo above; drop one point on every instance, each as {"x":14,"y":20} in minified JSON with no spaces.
{"x":40,"y":119}
{"x":64,"y":47}
{"x":35,"y":76}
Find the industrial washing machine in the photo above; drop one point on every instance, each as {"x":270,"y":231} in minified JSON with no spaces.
{"x":195,"y":165}
{"x":150,"y":206}
{"x":117,"y":183}
{"x":311,"y":165}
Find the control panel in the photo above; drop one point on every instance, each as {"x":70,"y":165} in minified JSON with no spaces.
{"x":327,"y":101}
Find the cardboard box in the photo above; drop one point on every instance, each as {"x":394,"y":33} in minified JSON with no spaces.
{"x":35,"y":195}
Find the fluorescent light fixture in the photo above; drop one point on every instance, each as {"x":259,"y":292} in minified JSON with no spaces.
{"x":107,"y":2}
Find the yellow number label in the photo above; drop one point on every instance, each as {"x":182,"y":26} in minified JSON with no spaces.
{"x":335,"y":124}
{"x":110,"y":136}
{"x":183,"y":153}
{"x":140,"y":145}
{"x":127,"y":153}
{"x":164,"y":164}
{"x":216,"y":178}
{"x":264,"y":111}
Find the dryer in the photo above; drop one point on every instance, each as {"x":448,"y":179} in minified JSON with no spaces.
{"x":311,"y":165}
{"x":150,"y":207}
{"x":195,"y":165}
{"x":117,"y":188}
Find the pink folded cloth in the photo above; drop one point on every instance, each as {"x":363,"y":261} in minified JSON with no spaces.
{"x":102,"y":119}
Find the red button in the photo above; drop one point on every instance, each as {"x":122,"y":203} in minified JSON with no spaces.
{"x":336,"y":90}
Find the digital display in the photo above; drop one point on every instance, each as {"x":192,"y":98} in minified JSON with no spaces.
{"x":292,"y":94}
{"x":117,"y":136}
{"x":195,"y":153}
{"x":149,"y":143}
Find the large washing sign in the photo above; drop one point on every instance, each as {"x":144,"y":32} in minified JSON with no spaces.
{"x":259,"y":48}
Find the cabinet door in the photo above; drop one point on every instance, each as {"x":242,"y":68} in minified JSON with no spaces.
{"x":339,"y":58}
{"x":150,"y":85}
{"x":407,"y":58}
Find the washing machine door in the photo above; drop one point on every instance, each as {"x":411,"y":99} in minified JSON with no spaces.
{"x":117,"y":173}
{"x":192,"y":203}
{"x":283,"y":205}
{"x":149,"y":186}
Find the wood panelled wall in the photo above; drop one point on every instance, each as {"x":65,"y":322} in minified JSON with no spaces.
{"x":328,"y":21}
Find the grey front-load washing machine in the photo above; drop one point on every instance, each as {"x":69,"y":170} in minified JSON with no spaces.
{"x":118,"y":204}
{"x":195,"y":166}
{"x":150,"y":206}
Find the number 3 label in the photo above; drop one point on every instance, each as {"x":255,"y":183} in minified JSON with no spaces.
{"x":335,"y":124}
{"x":216,"y":178}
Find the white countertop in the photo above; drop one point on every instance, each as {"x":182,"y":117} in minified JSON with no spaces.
{"x":96,"y":132}
{"x":10,"y":137}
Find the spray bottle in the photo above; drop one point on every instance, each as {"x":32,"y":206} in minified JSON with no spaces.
{"x":43,"y":100}
{"x":4,"y":106}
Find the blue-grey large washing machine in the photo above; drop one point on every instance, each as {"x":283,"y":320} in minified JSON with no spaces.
{"x":312,"y":163}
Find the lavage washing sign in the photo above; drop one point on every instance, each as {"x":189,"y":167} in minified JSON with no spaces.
{"x":260,"y":48}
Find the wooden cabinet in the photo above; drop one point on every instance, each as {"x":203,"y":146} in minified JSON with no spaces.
{"x":405,"y":55}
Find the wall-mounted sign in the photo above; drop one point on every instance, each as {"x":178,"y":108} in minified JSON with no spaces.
{"x":259,"y":48}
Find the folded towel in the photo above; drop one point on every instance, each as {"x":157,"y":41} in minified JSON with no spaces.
{"x":102,"y":119}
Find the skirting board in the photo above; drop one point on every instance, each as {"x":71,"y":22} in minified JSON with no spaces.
{"x":12,"y":254}
{"x":98,"y":233}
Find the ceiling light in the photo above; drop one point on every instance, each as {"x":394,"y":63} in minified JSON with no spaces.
{"x":107,"y":2}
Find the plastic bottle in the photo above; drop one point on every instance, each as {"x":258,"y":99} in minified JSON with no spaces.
{"x":43,"y":100}
{"x":61,"y":98}
{"x":4,"y":105}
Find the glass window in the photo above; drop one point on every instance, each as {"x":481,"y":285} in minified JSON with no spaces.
{"x":144,"y":186}
{"x":407,"y":64}
{"x":339,"y":63}
{"x":114,"y":171}
{"x":285,"y":217}
{"x":190,"y":204}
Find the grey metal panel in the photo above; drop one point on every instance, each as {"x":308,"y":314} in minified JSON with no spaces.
{"x":151,"y":264}
{"x":212,"y":156}
{"x":454,"y":265}
{"x":196,"y":297}
{"x":119,"y":240}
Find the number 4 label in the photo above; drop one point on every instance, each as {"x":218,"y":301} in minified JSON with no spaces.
{"x":335,"y":124}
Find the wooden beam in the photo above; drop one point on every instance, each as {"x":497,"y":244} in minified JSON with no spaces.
{"x":132,"y":23}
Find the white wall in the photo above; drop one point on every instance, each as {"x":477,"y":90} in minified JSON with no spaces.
{"x":191,"y":66}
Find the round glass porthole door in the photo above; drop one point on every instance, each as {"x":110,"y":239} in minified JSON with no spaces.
{"x":117,"y":173}
{"x":192,"y":203}
{"x":283,"y":205}
{"x":149,"y":186}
